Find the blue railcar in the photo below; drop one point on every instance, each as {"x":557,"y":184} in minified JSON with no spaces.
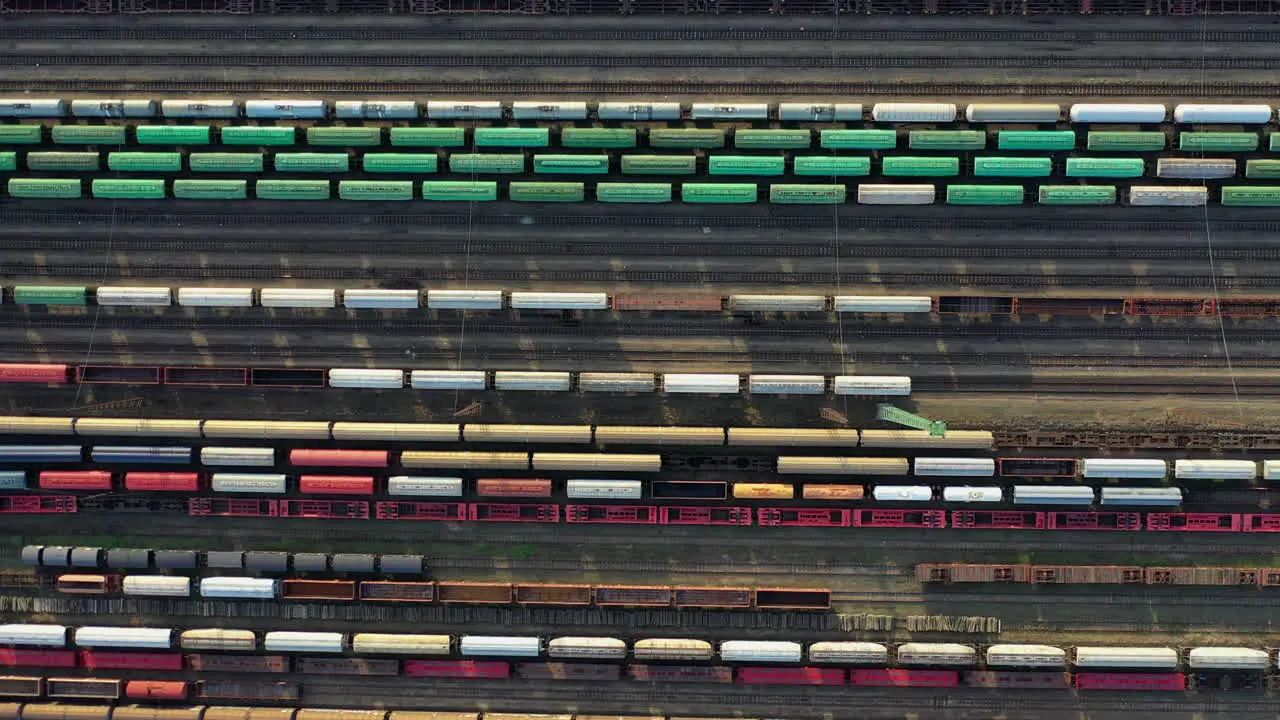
{"x":140,"y":454}
{"x":40,"y":453}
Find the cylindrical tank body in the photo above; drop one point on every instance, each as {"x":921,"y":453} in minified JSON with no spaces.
{"x":298,"y":298}
{"x":157,"y":585}
{"x":240,"y":588}
{"x":617,"y":382}
{"x":1052,"y":495}
{"x":366,"y":378}
{"x":701,"y":383}
{"x":1026,"y":656}
{"x":1215,"y":469}
{"x":638,"y":110}
{"x":549,"y":110}
{"x":1232,"y":114}
{"x":464,"y":110}
{"x":954,"y":467}
{"x":771,"y":651}
{"x":285,"y":109}
{"x":819,"y":112}
{"x":257,"y":457}
{"x":592,"y":648}
{"x":914,"y":112}
{"x":1144,"y":497}
{"x":849,"y":653}
{"x":219,"y":639}
{"x":199,"y":108}
{"x":464,"y":299}
{"x":375,"y":109}
{"x":580,"y":489}
{"x":248,"y":483}
{"x":1124,"y":468}
{"x":1013,"y":113}
{"x":83,"y":107}
{"x":312,"y":457}
{"x":763,"y":491}
{"x":874,"y":385}
{"x":145,"y":296}
{"x":448,"y":380}
{"x":32,"y":107}
{"x":372,"y":299}
{"x":842,"y":465}
{"x":534,"y":381}
{"x":1117,"y":113}
{"x":304,"y":642}
{"x":1146,"y":658}
{"x":940,"y":654}
{"x":966,"y":494}
{"x":559,"y":301}
{"x":902,"y":493}
{"x":672,"y":649}
{"x":1227,"y":658}
{"x":726,"y":111}
{"x":499,"y":646}
{"x":398,"y":644}
{"x":215,"y":297}
{"x":124,"y":637}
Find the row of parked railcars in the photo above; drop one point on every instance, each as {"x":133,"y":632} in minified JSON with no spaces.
{"x":1201,"y":576}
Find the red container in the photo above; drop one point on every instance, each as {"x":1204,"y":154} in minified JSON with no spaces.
{"x":900,"y":518}
{"x":75,"y":480}
{"x":156,"y":689}
{"x":420,"y":511}
{"x":804,"y":517}
{"x":705,"y":516}
{"x":1193,"y":522}
{"x":95,"y":660}
{"x":1168,"y":306}
{"x":1000,"y":519}
{"x":1262,"y":522}
{"x":521,"y":487}
{"x":681,"y":673}
{"x":37,"y":504}
{"x":790,"y":676}
{"x":33,"y":373}
{"x":498,"y":512}
{"x":1095,"y":521}
{"x":1131,"y":681}
{"x":905,"y":678}
{"x":339,"y":458}
{"x":232,"y":507}
{"x":38,"y":658}
{"x":457,"y":669}
{"x":629,"y":514}
{"x":162,"y":481}
{"x":335,"y":509}
{"x":238,"y":663}
{"x":336,"y":484}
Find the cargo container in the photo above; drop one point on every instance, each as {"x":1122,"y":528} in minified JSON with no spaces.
{"x":47,"y":188}
{"x":1250,"y":196}
{"x":904,"y":678}
{"x":1012,"y":167}
{"x":1077,"y":195}
{"x":746,"y":165}
{"x":63,"y":161}
{"x":1168,"y":196}
{"x":218,"y":639}
{"x":48,"y":295}
{"x":546,"y":192}
{"x":1227,"y":658}
{"x":486,"y":163}
{"x":532,"y":381}
{"x":772,"y":139}
{"x":1128,"y":682}
{"x":701,"y":383}
{"x":1262,"y":169}
{"x":1217,"y":142}
{"x":12,"y":686}
{"x":40,"y":373}
{"x":345,"y":136}
{"x":823,"y":465}
{"x":38,"y":658}
{"x":833,"y":166}
{"x":633,"y":192}
{"x":571,"y":164}
{"x":591,"y":648}
{"x":581,"y":672}
{"x":1150,"y":658}
{"x":1198,"y":169}
{"x":292,"y":589}
{"x":96,"y":660}
{"x":156,"y":689}
{"x":913,"y":112}
{"x":128,"y":189}
{"x":905,"y":166}
{"x":808,"y":194}
{"x":88,"y":134}
{"x":400,"y":162}
{"x":896,"y":194}
{"x":291,"y":190}
{"x":634,"y":596}
{"x":947,"y":140}
{"x":144,"y":162}
{"x":84,"y":688}
{"x":74,"y":480}
{"x":210,"y":189}
{"x":1043,"y":140}
{"x":1017,"y":680}
{"x":239,"y":663}
{"x":985,"y":194}
{"x":313,"y":642}
{"x":499,"y":646}
{"x":365,"y":378}
{"x":261,"y":135}
{"x":1126,"y":141}
{"x":457,"y":669}
{"x":312,"y":162}
{"x":428,"y":137}
{"x":376,"y":190}
{"x":13,"y":480}
{"x":483,"y":593}
{"x":239,"y":588}
{"x":687,"y":138}
{"x":659,"y":164}
{"x":172,"y":134}
{"x":20,"y":134}
{"x":387,"y":591}
{"x":572,"y":137}
{"x":511,"y":137}
{"x":88,"y":584}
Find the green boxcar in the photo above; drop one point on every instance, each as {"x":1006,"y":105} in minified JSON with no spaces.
{"x":144,"y":162}
{"x":1217,"y":141}
{"x":172,"y":134}
{"x":1262,"y":169}
{"x":50,"y":295}
{"x":947,"y":140}
{"x":486,"y":163}
{"x":428,"y":136}
{"x":401,"y":162}
{"x":345,"y":136}
{"x":1274,"y":143}
{"x":8,"y":160}
{"x":512,"y":137}
{"x":598,"y":137}
{"x":984,"y":194}
{"x":312,"y":162}
{"x":461,"y":191}
{"x":1077,"y":195}
{"x":60,"y":188}
{"x":546,"y":192}
{"x":831,"y":165}
{"x":1105,"y":167}
{"x":291,"y":189}
{"x":920,"y":166}
{"x":718,"y":193}
{"x":746,"y":165}
{"x":225,"y":162}
{"x":659,"y":164}
{"x":772,"y":139}
{"x":20,"y":134}
{"x":633,"y":192}
{"x":571,"y":164}
{"x":64,"y":161}
{"x":1126,"y":141}
{"x":116,"y":189}
{"x":88,"y":134}
{"x":211,"y":189}
{"x":1012,"y":166}
{"x":1251,"y":196}
{"x":1036,"y":140}
{"x":686,"y":138}
{"x":255,"y":135}
{"x":807,"y":194}
{"x":858,"y":139}
{"x":375,"y":189}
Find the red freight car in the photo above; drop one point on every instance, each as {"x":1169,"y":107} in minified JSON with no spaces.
{"x":1095,"y":520}
{"x":905,"y":678}
{"x":790,"y":676}
{"x":630,"y":514}
{"x":336,"y":484}
{"x":1130,"y":681}
{"x":804,"y":517}
{"x":238,"y":663}
{"x":457,"y":669}
{"x":162,"y":481}
{"x":156,"y":689}
{"x":900,"y":518}
{"x":88,"y":584}
{"x":339,"y":458}
{"x":676,"y":515}
{"x":681,"y":673}
{"x":1195,"y":522}
{"x":998,"y":519}
{"x":324,"y":509}
{"x":500,"y":512}
{"x":95,"y":660}
{"x":37,"y":504}
{"x":520,"y":487}
{"x":1262,"y":522}
{"x":75,"y":480}
{"x":420,"y":511}
{"x":38,"y":658}
{"x":33,"y":373}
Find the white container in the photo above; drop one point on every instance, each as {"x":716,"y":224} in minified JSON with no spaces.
{"x":285,"y":109}
{"x":215,"y":297}
{"x":247,"y":483}
{"x":464,"y":110}
{"x":256,"y":457}
{"x":1013,"y":113}
{"x":1052,"y":495}
{"x":464,"y":299}
{"x":954,"y":467}
{"x":32,"y":107}
{"x":548,"y":110}
{"x":638,"y":110}
{"x":1271,"y":469}
{"x":365,"y":378}
{"x":672,"y":649}
{"x":1124,"y":468}
{"x":896,"y":194}
{"x":421,"y":486}
{"x":604,"y":489}
{"x":1146,"y":658}
{"x":539,"y":381}
{"x":761,"y":651}
{"x":397,"y":644}
{"x":883,"y":303}
{"x":1215,"y":469}
{"x":375,"y":109}
{"x":1146,"y":497}
{"x":199,"y":108}
{"x":941,"y":654}
{"x":819,"y":112}
{"x":1026,"y":656}
{"x":298,"y":298}
{"x":702,"y":383}
{"x":368,"y":299}
{"x":31,"y":635}
{"x":124,"y":637}
{"x":1226,"y":658}
{"x":787,"y":384}
{"x":499,"y":646}
{"x":727,"y":111}
{"x":144,"y":296}
{"x":304,"y":642}
{"x":1196,"y":168}
{"x":849,"y":653}
{"x":591,"y":648}
{"x":780,"y":303}
{"x":1233,"y":114}
{"x":447,"y":380}
{"x":1117,"y":113}
{"x":1168,"y":196}
{"x":914,"y":112}
{"x":966,"y":494}
{"x":597,"y":462}
{"x":902,"y":493}
{"x":157,"y":585}
{"x":617,"y":382}
{"x":239,"y":588}
{"x":871,"y":385}
{"x":114,"y":108}
{"x":219,"y":639}
{"x":559,"y":301}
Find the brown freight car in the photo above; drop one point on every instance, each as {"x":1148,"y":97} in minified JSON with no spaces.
{"x":95,"y":688}
{"x":16,"y":686}
{"x":245,"y":690}
{"x":553,"y":594}
{"x":714,"y":597}
{"x":318,"y":590}
{"x":1087,"y":575}
{"x":963,"y":573}
{"x":238,"y":663}
{"x":479,"y":593}
{"x":88,"y":584}
{"x":1215,"y":576}
{"x":346,"y":666}
{"x":391,"y":591}
{"x":568,"y":671}
{"x":823,"y":491}
{"x":522,"y":487}
{"x":634,"y":596}
{"x":58,"y":711}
